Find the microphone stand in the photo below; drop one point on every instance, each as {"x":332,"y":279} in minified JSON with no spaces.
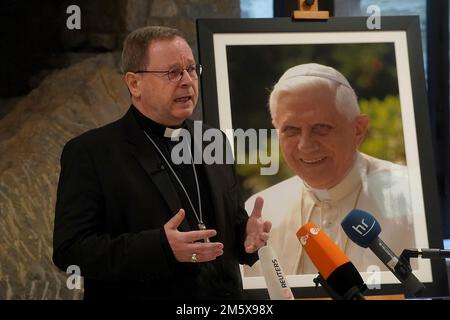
{"x":320,"y":280}
{"x":425,"y":254}
{"x":353,"y":293}
{"x":405,"y":258}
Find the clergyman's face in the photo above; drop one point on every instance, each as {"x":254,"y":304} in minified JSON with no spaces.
{"x":168,"y":102}
{"x":318,"y":142}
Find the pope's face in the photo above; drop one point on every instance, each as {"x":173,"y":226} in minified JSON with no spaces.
{"x":318,"y":142}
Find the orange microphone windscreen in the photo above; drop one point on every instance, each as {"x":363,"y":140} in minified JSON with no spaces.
{"x":322,"y":251}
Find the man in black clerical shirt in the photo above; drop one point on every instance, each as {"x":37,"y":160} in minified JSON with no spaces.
{"x":138,"y":224}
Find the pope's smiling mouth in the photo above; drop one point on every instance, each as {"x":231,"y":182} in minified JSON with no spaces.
{"x":313,"y":161}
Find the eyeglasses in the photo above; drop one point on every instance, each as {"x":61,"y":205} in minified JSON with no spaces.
{"x":175,"y":74}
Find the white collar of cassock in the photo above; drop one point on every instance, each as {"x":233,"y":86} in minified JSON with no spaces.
{"x":347,"y":185}
{"x":172,"y":133}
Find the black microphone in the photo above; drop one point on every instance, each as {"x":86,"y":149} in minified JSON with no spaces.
{"x":426,"y":253}
{"x":362,"y":228}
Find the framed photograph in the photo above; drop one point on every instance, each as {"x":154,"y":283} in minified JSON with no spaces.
{"x":244,"y":58}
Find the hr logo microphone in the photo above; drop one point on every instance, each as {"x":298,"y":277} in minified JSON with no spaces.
{"x":363,"y":228}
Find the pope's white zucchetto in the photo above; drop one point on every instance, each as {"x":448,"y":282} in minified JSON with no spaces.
{"x":314,"y":70}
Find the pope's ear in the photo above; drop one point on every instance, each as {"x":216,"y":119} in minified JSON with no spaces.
{"x":361,"y":126}
{"x":274,"y":123}
{"x":133,"y":82}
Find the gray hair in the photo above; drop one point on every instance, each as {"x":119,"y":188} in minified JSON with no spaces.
{"x":135,"y":46}
{"x":313,"y":75}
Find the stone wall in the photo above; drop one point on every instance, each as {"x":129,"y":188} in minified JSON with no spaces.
{"x":67,"y":102}
{"x":39,"y":40}
{"x":98,"y":33}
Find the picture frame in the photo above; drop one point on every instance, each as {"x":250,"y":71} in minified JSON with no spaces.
{"x":227,"y":49}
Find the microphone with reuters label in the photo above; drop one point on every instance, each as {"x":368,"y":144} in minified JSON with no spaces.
{"x":335,"y":268}
{"x":273,"y":275}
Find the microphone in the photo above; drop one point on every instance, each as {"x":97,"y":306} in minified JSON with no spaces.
{"x":273,"y":275}
{"x":362,"y":228}
{"x":426,"y":253}
{"x":334,"y":267}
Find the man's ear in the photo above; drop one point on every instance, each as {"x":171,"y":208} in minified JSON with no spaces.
{"x":361,"y":124}
{"x":133,"y":83}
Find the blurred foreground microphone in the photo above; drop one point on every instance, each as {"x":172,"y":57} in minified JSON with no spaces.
{"x":273,"y":275}
{"x":334,"y":267}
{"x":362,"y":228}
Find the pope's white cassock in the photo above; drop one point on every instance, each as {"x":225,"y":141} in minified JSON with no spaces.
{"x":376,"y":186}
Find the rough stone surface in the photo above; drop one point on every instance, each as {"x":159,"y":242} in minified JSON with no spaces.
{"x":181,"y":14}
{"x":102,"y":41}
{"x":136,"y":13}
{"x":69,"y":102}
{"x":166,"y":9}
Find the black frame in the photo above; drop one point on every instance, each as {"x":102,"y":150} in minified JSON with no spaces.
{"x":438,"y":98}
{"x":208,"y":27}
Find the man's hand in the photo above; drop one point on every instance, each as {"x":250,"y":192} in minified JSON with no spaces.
{"x":183,"y":244}
{"x":257,"y":229}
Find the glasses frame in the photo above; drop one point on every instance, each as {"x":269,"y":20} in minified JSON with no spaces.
{"x":198,"y":68}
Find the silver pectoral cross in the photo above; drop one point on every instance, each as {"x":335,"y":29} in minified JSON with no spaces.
{"x":202,"y":226}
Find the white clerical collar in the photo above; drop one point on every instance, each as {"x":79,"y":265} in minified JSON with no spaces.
{"x":172,"y":133}
{"x":350,"y":182}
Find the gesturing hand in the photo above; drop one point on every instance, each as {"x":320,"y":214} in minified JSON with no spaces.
{"x":183,"y":244}
{"x":257,"y":229}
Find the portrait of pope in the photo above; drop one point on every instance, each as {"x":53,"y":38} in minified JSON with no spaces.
{"x":321,"y":129}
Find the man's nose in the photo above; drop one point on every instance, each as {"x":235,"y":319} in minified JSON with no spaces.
{"x":306,"y":142}
{"x":186,"y":79}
